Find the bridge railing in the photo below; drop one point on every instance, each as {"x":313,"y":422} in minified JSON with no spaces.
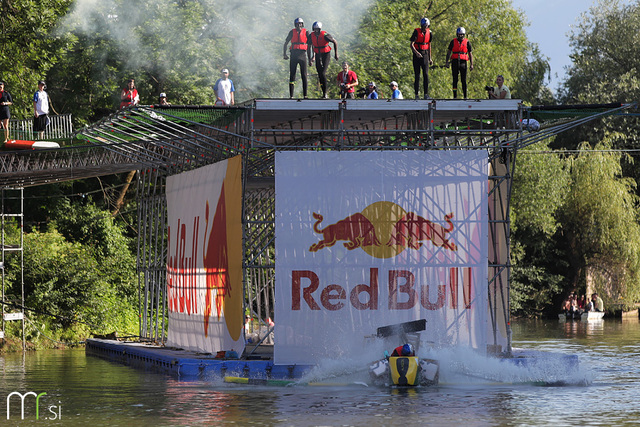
{"x":60,"y":127}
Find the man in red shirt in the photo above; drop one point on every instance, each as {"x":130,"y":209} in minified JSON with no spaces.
{"x":347,"y":81}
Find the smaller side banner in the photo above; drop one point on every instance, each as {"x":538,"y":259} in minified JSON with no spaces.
{"x":204,"y":260}
{"x":365,"y":240}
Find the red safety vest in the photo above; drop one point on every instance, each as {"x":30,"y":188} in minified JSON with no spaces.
{"x":422,"y":42}
{"x":460,"y":50}
{"x":320,"y":44}
{"x":299,"y":39}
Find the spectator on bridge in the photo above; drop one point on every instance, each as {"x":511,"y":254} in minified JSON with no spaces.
{"x":129,"y":95}
{"x":501,"y":91}
{"x":371,"y":92}
{"x":40,"y":109}
{"x":395,"y":92}
{"x":347,"y":81}
{"x":224,"y":90}
{"x":5,"y":114}
{"x":162,"y":100}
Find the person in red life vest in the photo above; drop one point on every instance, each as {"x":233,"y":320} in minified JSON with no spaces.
{"x":421,"y":48}
{"x":403,"y":350}
{"x":300,"y":54}
{"x":129,"y":95}
{"x":347,"y":81}
{"x":321,"y":53}
{"x":460,"y":53}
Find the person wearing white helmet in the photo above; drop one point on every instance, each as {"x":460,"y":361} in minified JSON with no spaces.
{"x":162,"y":99}
{"x":421,"y":48}
{"x":395,"y":92}
{"x":321,"y":53}
{"x":459,"y":53}
{"x":300,"y":48}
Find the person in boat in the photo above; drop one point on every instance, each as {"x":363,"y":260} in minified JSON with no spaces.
{"x":405,"y":350}
{"x":598,"y":304}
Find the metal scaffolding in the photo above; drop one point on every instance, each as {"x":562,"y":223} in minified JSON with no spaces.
{"x":159,"y":141}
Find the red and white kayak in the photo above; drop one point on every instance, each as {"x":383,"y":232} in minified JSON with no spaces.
{"x":18,"y":144}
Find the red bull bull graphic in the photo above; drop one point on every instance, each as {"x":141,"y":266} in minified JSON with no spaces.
{"x":400,"y":229}
{"x":204,"y":260}
{"x":368,"y":239}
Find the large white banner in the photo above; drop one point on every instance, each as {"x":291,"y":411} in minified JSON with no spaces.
{"x":204,"y":261}
{"x":369,"y":239}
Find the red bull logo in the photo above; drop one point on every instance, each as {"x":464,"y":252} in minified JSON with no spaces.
{"x":383,"y":230}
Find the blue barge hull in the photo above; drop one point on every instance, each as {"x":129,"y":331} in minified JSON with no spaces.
{"x":187,"y":365}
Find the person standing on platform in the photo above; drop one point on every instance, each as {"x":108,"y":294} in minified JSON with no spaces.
{"x":300,"y":53}
{"x":322,"y":53}
{"x":224,"y":90}
{"x":5,"y":113}
{"x":395,"y":92}
{"x":501,"y":91}
{"x":40,"y":109}
{"x":129,"y":95}
{"x":347,"y":81}
{"x":459,"y":52}
{"x":421,"y":48}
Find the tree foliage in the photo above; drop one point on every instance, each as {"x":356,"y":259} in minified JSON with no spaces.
{"x":601,"y":223}
{"x":540,"y":184}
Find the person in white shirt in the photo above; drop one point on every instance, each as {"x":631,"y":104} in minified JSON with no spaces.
{"x":224,"y":90}
{"x":40,"y":109}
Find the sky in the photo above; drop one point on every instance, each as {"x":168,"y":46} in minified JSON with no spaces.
{"x":550,"y":22}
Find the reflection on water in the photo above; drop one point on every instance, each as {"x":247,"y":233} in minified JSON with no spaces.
{"x":91,"y":391}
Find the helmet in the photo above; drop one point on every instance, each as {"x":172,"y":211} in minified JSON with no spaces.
{"x":298,"y":21}
{"x":461,"y":30}
{"x":407,"y":350}
{"x":163,"y":95}
{"x":317,"y":25}
{"x":424,"y":22}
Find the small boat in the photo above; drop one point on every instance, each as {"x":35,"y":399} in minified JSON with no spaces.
{"x":18,"y":144}
{"x":404,"y":371}
{"x":586,"y":315}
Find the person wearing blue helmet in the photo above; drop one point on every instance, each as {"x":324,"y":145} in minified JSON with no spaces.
{"x":421,"y":48}
{"x":405,"y":350}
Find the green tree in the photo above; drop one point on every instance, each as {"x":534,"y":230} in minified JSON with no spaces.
{"x":600,"y":224}
{"x":540,"y":184}
{"x":29,"y":47}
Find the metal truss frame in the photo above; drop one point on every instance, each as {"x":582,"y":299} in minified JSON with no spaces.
{"x":162,"y":141}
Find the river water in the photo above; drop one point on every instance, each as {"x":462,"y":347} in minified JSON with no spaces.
{"x":87,"y":391}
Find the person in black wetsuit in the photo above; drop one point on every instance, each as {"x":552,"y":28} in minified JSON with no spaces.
{"x":321,"y":52}
{"x":421,"y":48}
{"x":460,"y":53}
{"x":300,"y":54}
